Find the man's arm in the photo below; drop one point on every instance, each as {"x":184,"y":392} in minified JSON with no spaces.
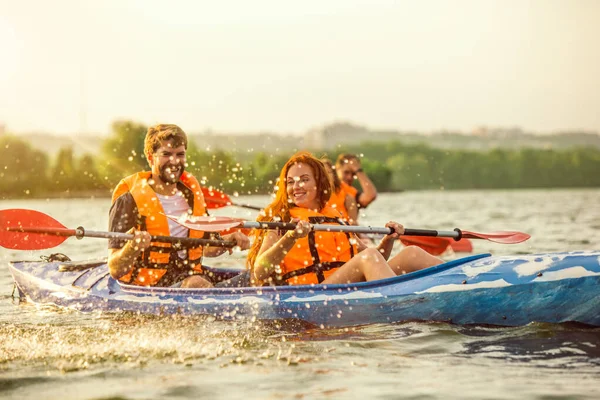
{"x":352,"y":208}
{"x":122,"y":253}
{"x":242,"y":241}
{"x":369,"y":191}
{"x":121,"y":260}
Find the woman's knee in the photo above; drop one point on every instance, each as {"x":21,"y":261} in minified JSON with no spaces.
{"x":413,"y":252}
{"x":196,"y":281}
{"x":372,"y":254}
{"x":414,"y":255}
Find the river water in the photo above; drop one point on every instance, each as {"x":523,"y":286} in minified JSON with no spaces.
{"x":51,"y":353}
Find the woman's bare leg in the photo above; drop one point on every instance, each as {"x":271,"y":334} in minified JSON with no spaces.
{"x":368,"y":265}
{"x":412,"y":258}
{"x":195,"y":281}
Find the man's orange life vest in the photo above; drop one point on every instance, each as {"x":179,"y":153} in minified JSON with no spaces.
{"x":152,"y":264}
{"x":316,"y":256}
{"x":350,"y":190}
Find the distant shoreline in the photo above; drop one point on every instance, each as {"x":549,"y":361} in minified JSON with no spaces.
{"x":86,"y":194}
{"x":102,"y":194}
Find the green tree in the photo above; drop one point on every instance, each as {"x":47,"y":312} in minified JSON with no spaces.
{"x":63,"y":170}
{"x":123,"y":151}
{"x":23,"y":170}
{"x":87,"y":177}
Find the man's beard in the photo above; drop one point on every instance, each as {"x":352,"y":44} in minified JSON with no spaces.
{"x":174,"y":173}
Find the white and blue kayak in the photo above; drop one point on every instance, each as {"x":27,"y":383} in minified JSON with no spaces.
{"x":480,"y":289}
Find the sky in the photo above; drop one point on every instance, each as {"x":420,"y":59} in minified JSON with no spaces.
{"x":72,"y":67}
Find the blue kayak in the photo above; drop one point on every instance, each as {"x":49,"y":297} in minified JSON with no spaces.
{"x":480,"y":289}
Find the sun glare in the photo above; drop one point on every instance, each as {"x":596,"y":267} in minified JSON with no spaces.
{"x":8,"y":51}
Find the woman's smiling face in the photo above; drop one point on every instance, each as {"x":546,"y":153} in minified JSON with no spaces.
{"x":302,"y":187}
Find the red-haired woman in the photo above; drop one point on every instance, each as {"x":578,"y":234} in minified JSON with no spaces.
{"x":303,"y":256}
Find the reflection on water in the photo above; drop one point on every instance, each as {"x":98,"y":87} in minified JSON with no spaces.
{"x":70,"y":355}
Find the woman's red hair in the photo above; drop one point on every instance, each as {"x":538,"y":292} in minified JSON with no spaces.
{"x":279,"y":209}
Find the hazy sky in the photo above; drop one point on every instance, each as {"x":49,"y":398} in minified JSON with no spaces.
{"x":74,"y":65}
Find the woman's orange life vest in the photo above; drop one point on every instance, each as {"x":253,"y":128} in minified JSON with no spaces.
{"x":315,"y":257}
{"x":337,"y":201}
{"x":152,"y":264}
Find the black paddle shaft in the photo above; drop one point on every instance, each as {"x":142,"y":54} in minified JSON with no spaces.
{"x":176,"y":241}
{"x":456,"y":234}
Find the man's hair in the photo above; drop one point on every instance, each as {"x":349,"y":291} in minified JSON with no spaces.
{"x":158,"y":133}
{"x":345,"y":158}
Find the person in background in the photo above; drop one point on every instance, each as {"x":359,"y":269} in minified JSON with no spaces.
{"x":303,"y":256}
{"x":140,"y":203}
{"x":340,"y":199}
{"x":348,"y":168}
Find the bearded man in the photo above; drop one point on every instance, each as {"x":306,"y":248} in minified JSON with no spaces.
{"x":140,"y":205}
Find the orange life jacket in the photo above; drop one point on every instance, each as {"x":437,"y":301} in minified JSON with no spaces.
{"x":337,"y":201}
{"x":350,"y":190}
{"x":152,"y":264}
{"x":316,"y":256}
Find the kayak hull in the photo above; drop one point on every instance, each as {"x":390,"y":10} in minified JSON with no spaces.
{"x":480,"y":289}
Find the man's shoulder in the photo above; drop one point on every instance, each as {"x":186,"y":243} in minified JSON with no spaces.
{"x":126,"y":184}
{"x":123,"y":216}
{"x":351,"y":190}
{"x":124,"y":199}
{"x":124,"y":204}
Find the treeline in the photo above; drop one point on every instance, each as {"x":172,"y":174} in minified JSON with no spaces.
{"x":392,"y":166}
{"x":396,"y":166}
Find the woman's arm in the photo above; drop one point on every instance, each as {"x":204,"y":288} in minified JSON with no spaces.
{"x":272,"y":252}
{"x":387,"y":243}
{"x":242,"y":241}
{"x":274,"y":249}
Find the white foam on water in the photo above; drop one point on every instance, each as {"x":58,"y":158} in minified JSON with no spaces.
{"x":60,"y":295}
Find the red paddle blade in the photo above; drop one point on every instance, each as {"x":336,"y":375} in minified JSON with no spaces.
{"x":245,"y":231}
{"x":215,"y":199}
{"x":432,"y":245}
{"x":462,"y":246}
{"x":22,"y":229}
{"x":504,"y":237}
{"x":207,"y":224}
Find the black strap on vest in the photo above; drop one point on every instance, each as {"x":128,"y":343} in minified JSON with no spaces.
{"x":319,"y":267}
{"x":175,"y":266}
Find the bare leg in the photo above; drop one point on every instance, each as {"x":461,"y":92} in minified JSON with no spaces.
{"x":368,"y":265}
{"x":195,"y":281}
{"x":412,"y":258}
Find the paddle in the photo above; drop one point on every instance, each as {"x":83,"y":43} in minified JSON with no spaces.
{"x":219,"y":223}
{"x":432,"y":245}
{"x":22,"y":229}
{"x":436,"y":246}
{"x":217,"y":199}
{"x":462,"y":246}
